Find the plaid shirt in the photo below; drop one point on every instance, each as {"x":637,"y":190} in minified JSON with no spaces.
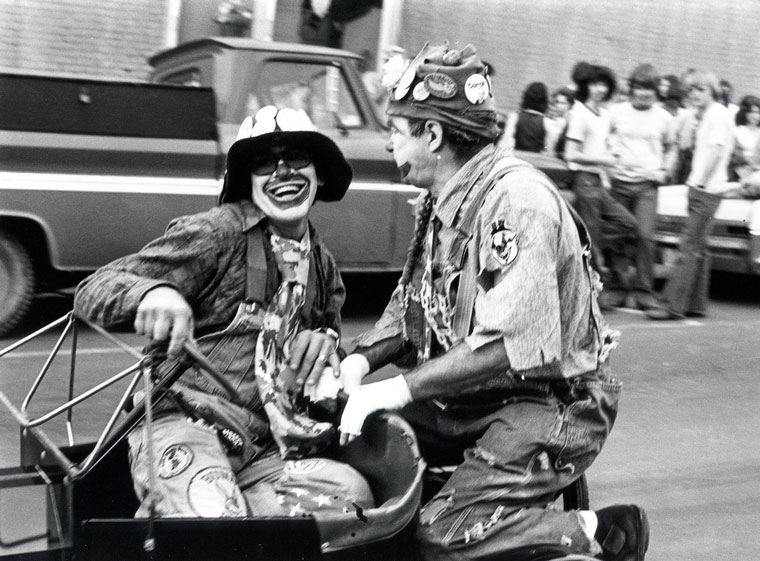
{"x":203,"y":256}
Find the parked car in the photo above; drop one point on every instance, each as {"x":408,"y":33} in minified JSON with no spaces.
{"x":735,"y":238}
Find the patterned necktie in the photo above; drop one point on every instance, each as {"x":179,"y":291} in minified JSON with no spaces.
{"x":296,"y":434}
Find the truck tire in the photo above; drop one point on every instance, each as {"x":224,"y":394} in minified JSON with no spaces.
{"x":16,"y":282}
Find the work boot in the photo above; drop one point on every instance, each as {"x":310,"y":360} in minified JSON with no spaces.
{"x":623,"y":533}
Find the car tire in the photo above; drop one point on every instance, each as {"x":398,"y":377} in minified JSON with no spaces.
{"x":17,"y":282}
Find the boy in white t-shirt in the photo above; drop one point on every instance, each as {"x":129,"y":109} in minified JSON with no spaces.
{"x":685,"y":292}
{"x":642,"y":136}
{"x":609,"y":224}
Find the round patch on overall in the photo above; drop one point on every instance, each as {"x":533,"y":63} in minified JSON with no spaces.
{"x":213,"y":493}
{"x":175,"y":459}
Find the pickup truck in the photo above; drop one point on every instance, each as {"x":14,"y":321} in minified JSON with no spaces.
{"x":91,"y":170}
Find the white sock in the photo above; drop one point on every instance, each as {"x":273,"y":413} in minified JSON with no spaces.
{"x":589,"y":521}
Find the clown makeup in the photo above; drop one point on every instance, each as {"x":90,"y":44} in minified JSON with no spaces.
{"x":411,"y":153}
{"x":285,"y":195}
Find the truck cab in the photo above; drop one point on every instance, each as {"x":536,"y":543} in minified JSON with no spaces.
{"x":369,"y":230}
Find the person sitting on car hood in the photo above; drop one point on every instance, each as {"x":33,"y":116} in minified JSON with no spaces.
{"x":249,"y":283}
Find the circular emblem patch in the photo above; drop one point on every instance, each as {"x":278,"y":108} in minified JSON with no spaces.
{"x":213,"y":493}
{"x":440,"y":85}
{"x":174,"y":460}
{"x":476,"y":89}
{"x":503,"y":243}
{"x":301,"y":467}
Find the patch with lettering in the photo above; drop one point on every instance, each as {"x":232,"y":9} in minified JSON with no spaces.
{"x":440,"y":85}
{"x":174,"y":460}
{"x":503,"y":243}
{"x":214,"y":493}
{"x":301,"y":467}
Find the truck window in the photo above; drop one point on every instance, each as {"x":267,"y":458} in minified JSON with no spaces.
{"x":321,"y":90}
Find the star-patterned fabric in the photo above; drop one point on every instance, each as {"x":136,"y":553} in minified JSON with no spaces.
{"x":296,"y":434}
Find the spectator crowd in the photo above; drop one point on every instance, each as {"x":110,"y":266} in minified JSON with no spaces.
{"x":622,"y":141}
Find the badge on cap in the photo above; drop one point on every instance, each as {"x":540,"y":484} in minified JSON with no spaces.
{"x":440,"y":85}
{"x":503,"y":243}
{"x":476,"y":89}
{"x":420,"y":92}
{"x":404,"y":83}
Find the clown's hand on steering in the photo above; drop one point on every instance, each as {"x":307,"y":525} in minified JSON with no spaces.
{"x":392,"y":393}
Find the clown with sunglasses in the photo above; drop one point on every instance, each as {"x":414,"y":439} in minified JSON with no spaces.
{"x":251,"y":285}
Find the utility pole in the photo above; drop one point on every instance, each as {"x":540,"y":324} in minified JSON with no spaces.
{"x":390,"y":27}
{"x":264,"y":12}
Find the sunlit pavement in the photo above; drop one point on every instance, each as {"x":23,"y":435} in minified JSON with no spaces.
{"x":685,"y":444}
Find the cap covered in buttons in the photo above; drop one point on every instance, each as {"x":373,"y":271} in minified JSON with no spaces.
{"x":449,"y":85}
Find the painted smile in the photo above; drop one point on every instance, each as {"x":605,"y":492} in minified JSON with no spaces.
{"x":289,"y":191}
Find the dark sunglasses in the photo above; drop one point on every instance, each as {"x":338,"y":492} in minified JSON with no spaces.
{"x":267,"y":164}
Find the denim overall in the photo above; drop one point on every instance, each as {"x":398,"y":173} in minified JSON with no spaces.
{"x":516,"y":443}
{"x":213,"y":454}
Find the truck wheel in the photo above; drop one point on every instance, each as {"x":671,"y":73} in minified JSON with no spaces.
{"x":16,"y":282}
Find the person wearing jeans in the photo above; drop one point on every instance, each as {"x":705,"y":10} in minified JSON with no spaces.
{"x":642,"y":134}
{"x":610,"y":225}
{"x":685,"y":291}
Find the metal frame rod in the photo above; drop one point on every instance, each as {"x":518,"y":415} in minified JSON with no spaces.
{"x":46,"y":366}
{"x":80,"y":398}
{"x":25,"y":340}
{"x":93,"y":457}
{"x":49,"y":446}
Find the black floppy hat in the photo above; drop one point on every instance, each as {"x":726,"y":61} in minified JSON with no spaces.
{"x":271,"y":128}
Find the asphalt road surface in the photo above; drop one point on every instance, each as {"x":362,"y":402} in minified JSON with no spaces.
{"x":685,"y":445}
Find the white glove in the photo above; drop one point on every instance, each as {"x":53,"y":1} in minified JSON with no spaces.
{"x":353,"y":369}
{"x":327,"y":387}
{"x":392,"y":393}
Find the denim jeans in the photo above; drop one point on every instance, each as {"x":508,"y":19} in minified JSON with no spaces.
{"x":195,"y":478}
{"x":198,"y":476}
{"x":514,"y":459}
{"x":687,"y":287}
{"x":609,"y":224}
{"x":640,"y":198}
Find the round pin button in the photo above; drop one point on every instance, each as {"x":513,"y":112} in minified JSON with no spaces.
{"x":420,"y":92}
{"x":476,"y":89}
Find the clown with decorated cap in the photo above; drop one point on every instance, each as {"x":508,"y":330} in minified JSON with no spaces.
{"x":249,"y":284}
{"x":496,"y":323}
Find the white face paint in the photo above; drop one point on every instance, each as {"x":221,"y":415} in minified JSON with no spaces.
{"x":285,"y":196}
{"x":411,"y":154}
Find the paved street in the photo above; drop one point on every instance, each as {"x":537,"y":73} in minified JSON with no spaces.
{"x":685,"y":445}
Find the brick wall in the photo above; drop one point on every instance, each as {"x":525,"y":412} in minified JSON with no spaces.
{"x":105,"y":38}
{"x":540,"y":40}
